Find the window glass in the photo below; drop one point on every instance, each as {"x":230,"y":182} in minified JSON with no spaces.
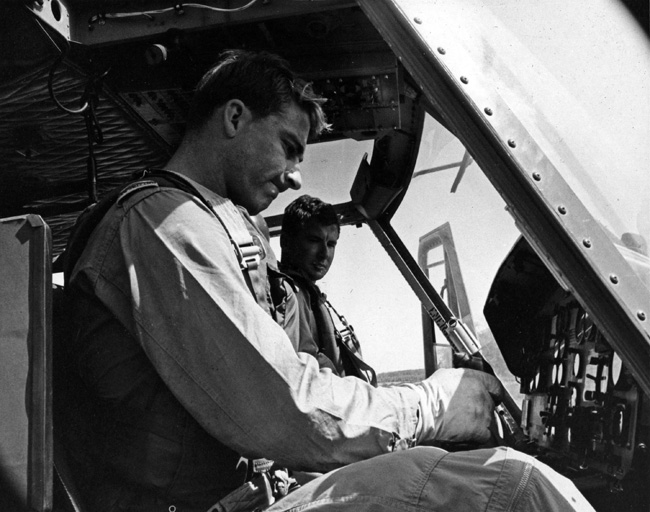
{"x":483,"y":231}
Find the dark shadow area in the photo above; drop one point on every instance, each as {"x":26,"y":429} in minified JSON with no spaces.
{"x":640,"y":9}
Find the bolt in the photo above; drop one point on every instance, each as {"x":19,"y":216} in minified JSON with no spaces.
{"x":587,"y":243}
{"x":464,"y":79}
{"x":613,"y":278}
{"x":488,"y":111}
{"x":441,"y":50}
{"x":641,"y":315}
{"x":537,"y":176}
{"x":512,"y":143}
{"x":561,"y":209}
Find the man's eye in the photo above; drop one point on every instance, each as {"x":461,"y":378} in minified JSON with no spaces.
{"x":290,"y":150}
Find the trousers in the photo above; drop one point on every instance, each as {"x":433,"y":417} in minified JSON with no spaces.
{"x":431,"y":479}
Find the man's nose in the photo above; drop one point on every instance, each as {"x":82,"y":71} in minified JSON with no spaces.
{"x":293,"y":178}
{"x":323,"y":252}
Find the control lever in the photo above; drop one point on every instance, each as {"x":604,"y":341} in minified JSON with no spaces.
{"x":463,"y":341}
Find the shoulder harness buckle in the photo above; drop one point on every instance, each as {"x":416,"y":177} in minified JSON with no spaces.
{"x":250,"y":256}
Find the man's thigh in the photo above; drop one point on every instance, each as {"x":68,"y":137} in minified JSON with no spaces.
{"x":430,"y":479}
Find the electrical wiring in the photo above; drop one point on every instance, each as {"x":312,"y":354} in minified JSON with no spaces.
{"x":63,"y":52}
{"x":178,"y":8}
{"x":89,"y":101}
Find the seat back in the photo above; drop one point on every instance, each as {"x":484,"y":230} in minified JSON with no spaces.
{"x":26,"y":446}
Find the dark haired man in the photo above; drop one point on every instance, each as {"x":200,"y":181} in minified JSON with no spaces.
{"x":310,"y":232}
{"x":161,"y":300}
{"x":185,"y":370}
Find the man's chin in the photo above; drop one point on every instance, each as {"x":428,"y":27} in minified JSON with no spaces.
{"x":317,"y":276}
{"x":256,"y":207}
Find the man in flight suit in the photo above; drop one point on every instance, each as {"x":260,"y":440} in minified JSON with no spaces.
{"x":310,"y":233}
{"x":187,"y":371}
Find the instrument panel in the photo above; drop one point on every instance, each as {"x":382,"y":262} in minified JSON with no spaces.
{"x":582,"y":411}
{"x":581,"y":403}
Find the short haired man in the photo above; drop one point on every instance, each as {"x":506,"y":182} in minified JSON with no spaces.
{"x":186,"y":370}
{"x":310,"y":232}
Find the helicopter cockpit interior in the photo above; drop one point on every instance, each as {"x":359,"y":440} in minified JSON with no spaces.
{"x":94,"y":90}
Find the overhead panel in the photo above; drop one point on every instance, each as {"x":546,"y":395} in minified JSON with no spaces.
{"x":164,"y":110}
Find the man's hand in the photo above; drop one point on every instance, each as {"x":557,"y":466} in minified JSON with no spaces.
{"x":457,"y":405}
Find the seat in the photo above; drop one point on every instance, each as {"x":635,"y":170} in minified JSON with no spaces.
{"x":26,"y":442}
{"x":34,"y":473}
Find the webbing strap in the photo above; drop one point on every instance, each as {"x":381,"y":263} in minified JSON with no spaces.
{"x":247,"y":252}
{"x":228,"y":214}
{"x":230,"y":217}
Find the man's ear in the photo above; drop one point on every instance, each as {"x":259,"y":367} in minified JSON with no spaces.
{"x":235,"y":115}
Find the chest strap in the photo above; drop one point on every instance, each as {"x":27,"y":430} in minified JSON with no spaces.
{"x":248,"y":254}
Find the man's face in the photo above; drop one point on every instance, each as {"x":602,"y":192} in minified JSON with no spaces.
{"x":265,"y":162}
{"x":312,"y":251}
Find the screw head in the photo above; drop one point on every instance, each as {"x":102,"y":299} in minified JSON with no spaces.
{"x":537,"y":176}
{"x":641,"y":315}
{"x":561,"y":209}
{"x":464,"y":79}
{"x":587,"y":243}
{"x":488,"y":111}
{"x":613,"y":278}
{"x":441,"y":50}
{"x":512,"y":143}
{"x":418,"y":20}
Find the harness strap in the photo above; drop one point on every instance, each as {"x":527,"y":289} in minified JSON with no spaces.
{"x":346,"y":348}
{"x":247,"y":252}
{"x":350,"y":348}
{"x":230,"y":217}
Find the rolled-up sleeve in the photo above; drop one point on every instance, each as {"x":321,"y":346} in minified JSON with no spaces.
{"x":226,"y":360}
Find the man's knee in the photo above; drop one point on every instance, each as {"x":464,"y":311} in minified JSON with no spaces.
{"x":432,"y":479}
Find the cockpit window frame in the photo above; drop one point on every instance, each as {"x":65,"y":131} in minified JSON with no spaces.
{"x":547,"y":211}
